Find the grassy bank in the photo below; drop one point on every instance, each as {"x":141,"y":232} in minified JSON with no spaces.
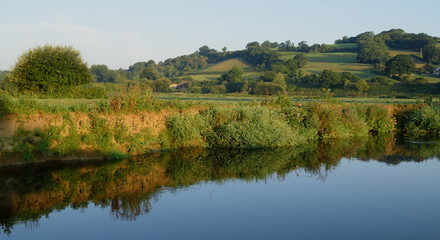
{"x":132,"y":126}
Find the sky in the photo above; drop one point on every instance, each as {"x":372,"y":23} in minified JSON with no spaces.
{"x":121,"y":33}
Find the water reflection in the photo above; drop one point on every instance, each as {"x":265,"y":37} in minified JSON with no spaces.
{"x":131,"y":187}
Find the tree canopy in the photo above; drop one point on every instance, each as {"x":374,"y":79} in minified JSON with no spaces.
{"x":372,"y":49}
{"x":431,"y":54}
{"x":400,"y":65}
{"x":103,"y":74}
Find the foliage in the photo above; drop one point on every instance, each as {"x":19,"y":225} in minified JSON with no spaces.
{"x":301,"y":59}
{"x":160,"y":85}
{"x":3,"y":75}
{"x":328,"y":78}
{"x":103,"y":74}
{"x":260,"y":56}
{"x":248,"y":127}
{"x":6,"y":105}
{"x":46,"y":69}
{"x":235,"y":74}
{"x":266,"y":88}
{"x":400,"y":65}
{"x":233,"y":79}
{"x":423,"y":121}
{"x":431,"y":54}
{"x":382,"y":80}
{"x":372,"y":49}
{"x":362,"y":86}
{"x":399,"y":39}
{"x":185,"y":131}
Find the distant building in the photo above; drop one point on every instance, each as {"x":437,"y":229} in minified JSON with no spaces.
{"x":181,"y":86}
{"x":436,"y":71}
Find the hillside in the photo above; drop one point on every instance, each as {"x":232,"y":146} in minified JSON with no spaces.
{"x":214,"y":71}
{"x":226,"y":66}
{"x":339,"y":62}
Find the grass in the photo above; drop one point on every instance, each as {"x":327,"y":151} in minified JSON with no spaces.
{"x":227,"y":65}
{"x":72,"y":102}
{"x":339,"y":62}
{"x":396,"y":52}
{"x":213,"y":72}
{"x":416,"y":56}
{"x":234,"y":99}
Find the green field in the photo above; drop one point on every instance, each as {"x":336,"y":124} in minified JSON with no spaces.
{"x":225,"y":99}
{"x":339,"y":62}
{"x":71,"y":102}
{"x":226,"y":66}
{"x":214,"y":71}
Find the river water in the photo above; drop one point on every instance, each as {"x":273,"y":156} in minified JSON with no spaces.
{"x":357,"y":189}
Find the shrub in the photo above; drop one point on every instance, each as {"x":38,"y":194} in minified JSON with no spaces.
{"x":421,"y":122}
{"x":6,"y":105}
{"x":248,"y":127}
{"x":185,"y":130}
{"x":266,"y":88}
{"x":46,"y":69}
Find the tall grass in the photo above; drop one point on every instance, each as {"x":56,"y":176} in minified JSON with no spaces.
{"x":422,"y":121}
{"x":278,"y":124}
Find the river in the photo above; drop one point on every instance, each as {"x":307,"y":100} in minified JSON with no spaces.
{"x":356,"y":189}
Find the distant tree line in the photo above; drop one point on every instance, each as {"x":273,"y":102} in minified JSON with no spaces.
{"x":266,"y":58}
{"x":374,"y":49}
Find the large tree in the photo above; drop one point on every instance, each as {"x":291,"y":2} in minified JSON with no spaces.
{"x":50,"y":68}
{"x":400,"y":65}
{"x":103,"y":74}
{"x":372,"y":49}
{"x":233,"y":79}
{"x":328,"y":78}
{"x":431,"y":54}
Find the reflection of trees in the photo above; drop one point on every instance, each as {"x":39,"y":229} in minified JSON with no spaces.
{"x":129,"y":187}
{"x":128,"y":208}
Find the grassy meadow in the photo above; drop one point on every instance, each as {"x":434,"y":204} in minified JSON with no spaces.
{"x":214,"y":71}
{"x":339,"y":62}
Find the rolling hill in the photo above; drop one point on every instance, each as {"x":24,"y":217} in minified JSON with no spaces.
{"x":214,"y":71}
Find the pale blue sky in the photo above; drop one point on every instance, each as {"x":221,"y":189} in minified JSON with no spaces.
{"x":120,"y":33}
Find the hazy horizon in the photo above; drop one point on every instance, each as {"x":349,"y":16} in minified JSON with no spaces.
{"x":118,"y":34}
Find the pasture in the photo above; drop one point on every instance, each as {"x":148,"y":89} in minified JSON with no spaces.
{"x":214,"y":71}
{"x":338,"y":62}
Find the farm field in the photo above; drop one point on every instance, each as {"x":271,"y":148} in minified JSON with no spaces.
{"x":213,"y":72}
{"x":243,"y":98}
{"x":339,"y":62}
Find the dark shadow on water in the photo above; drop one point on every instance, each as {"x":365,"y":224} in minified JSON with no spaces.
{"x":131,"y":187}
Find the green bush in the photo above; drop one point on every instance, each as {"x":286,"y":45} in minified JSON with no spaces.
{"x":185,"y":131}
{"x":266,"y":88}
{"x":249,"y":127}
{"x":421,"y":122}
{"x":6,"y":105}
{"x":46,"y":69}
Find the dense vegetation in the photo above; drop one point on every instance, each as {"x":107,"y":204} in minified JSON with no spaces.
{"x":388,"y":64}
{"x":49,"y":68}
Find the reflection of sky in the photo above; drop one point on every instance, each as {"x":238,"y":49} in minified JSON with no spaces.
{"x":357,"y":200}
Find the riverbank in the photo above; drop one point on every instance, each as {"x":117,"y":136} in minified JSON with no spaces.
{"x":36,"y":133}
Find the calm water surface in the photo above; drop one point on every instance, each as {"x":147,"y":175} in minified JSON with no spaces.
{"x":355,"y":190}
